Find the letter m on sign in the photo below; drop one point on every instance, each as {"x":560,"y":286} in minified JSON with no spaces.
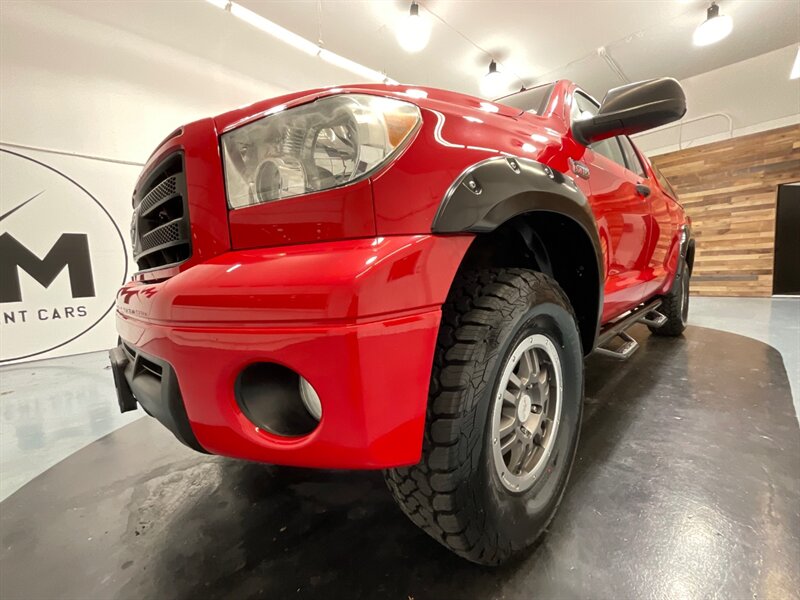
{"x":70,"y":251}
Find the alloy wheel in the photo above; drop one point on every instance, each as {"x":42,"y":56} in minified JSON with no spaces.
{"x":526,"y":412}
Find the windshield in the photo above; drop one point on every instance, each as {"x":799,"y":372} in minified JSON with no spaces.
{"x":533,"y":100}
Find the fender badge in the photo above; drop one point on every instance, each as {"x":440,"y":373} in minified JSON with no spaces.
{"x":579,"y":168}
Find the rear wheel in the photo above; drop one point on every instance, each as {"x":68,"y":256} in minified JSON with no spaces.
{"x":675,"y":305}
{"x":503,"y":416}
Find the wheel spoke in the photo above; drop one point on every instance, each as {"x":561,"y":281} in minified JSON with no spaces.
{"x":544,"y":394}
{"x":506,"y":445}
{"x":530,"y":363}
{"x":507,"y":425}
{"x":509,"y":411}
{"x":537,"y":367}
{"x":510,"y":398}
{"x":530,"y":458}
{"x":543,"y":386}
{"x":544,"y":426}
{"x":542,"y":377}
{"x":512,"y":377}
{"x":517,"y":454}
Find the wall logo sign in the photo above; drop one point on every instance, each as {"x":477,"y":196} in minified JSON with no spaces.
{"x":62,"y":258}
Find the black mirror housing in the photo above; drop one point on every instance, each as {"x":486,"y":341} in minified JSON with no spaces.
{"x":633,"y":108}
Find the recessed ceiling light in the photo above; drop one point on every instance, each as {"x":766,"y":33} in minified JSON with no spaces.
{"x":795,"y":74}
{"x":715,"y":28}
{"x":413,"y":30}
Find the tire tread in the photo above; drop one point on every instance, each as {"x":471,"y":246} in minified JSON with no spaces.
{"x":434,"y":493}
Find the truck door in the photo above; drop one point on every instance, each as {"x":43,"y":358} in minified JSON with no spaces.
{"x":623,"y":218}
{"x":662,"y":223}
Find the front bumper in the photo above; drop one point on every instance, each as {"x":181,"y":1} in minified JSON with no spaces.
{"x":358,"y":319}
{"x":151,"y":382}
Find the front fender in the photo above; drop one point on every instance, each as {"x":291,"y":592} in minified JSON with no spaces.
{"x":495,"y":190}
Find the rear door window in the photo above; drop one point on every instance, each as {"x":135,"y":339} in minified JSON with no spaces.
{"x":631,"y":157}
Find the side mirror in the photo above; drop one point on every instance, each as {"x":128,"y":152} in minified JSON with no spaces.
{"x":633,"y":108}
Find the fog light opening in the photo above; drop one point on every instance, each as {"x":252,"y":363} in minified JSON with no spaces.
{"x":310,"y":399}
{"x":278,"y":400}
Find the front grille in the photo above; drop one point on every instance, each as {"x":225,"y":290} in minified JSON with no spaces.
{"x":160,"y":228}
{"x":165,"y":189}
{"x":161,"y":236}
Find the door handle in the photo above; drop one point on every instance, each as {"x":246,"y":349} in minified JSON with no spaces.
{"x":642,"y":190}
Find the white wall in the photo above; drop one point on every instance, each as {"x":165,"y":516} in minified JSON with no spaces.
{"x":78,"y":85}
{"x":756,"y":94}
{"x":94,"y":94}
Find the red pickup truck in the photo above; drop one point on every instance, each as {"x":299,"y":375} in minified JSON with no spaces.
{"x":401,"y":278}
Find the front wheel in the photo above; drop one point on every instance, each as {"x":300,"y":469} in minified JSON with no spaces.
{"x":503,"y":416}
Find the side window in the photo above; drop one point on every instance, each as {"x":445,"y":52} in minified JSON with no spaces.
{"x":610,"y":149}
{"x":533,"y":100}
{"x":634,"y":164}
{"x":582,"y":107}
{"x":664,"y":182}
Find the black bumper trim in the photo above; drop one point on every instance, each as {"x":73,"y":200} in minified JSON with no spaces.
{"x":138,"y":382}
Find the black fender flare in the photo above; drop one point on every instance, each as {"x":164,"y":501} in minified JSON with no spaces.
{"x":685,"y":255}
{"x":685,"y":241}
{"x":493,"y":191}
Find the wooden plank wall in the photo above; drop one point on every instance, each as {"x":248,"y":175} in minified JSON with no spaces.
{"x":730,"y":189}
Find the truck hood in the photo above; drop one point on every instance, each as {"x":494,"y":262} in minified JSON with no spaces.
{"x":424,"y":97}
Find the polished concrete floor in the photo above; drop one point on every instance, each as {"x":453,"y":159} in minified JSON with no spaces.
{"x":687,"y":485}
{"x":774,"y":321}
{"x":50,"y":409}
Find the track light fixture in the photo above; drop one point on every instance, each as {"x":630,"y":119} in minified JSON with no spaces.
{"x":413,"y":30}
{"x":298,"y":42}
{"x":715,"y":28}
{"x":494,"y":83}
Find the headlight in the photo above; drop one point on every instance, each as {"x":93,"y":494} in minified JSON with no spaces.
{"x":330,"y":142}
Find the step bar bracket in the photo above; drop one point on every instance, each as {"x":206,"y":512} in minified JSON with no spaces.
{"x":646,"y":313}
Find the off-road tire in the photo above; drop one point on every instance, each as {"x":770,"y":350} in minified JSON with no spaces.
{"x":675,"y":305}
{"x":454,"y":494}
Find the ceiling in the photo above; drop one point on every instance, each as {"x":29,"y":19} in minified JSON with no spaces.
{"x":535,"y":40}
{"x":540,"y":40}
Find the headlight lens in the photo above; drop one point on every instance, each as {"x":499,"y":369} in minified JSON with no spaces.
{"x":313,"y":147}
